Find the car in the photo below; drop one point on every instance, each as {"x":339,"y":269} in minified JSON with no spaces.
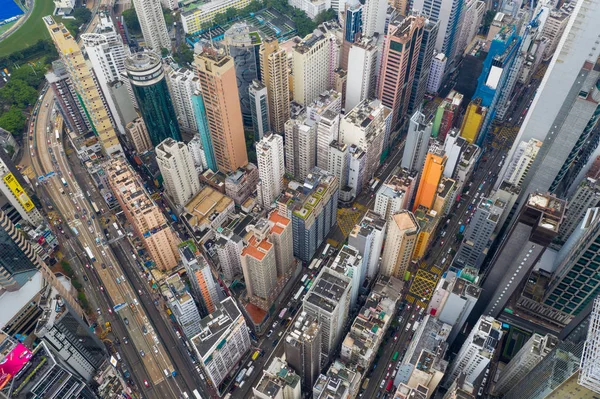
{"x":110,"y":310}
{"x":274,"y":325}
{"x":85,"y":278}
{"x":155,"y":349}
{"x":144,"y":329}
{"x":442,"y":243}
{"x":396,"y":338}
{"x":389,"y":366}
{"x":387,"y":375}
{"x":104,"y":266}
{"x":146,"y":383}
{"x":125,"y":340}
{"x":140,"y":292}
{"x":126,"y":320}
{"x":269,"y":333}
{"x":99,"y":311}
{"x":275,"y":342}
{"x":142,"y":354}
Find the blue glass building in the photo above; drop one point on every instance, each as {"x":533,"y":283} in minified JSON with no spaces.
{"x":203,"y":131}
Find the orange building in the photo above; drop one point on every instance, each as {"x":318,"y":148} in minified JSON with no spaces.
{"x":430,"y":179}
{"x":218,"y":84}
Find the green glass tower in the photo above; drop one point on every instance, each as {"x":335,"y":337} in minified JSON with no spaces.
{"x":147,"y":77}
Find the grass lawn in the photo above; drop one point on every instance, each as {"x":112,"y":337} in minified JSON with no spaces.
{"x":6,"y":27}
{"x":31,"y":31}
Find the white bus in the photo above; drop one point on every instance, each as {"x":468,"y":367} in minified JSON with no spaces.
{"x":64,"y":182}
{"x":303,"y":278}
{"x":197,"y":394}
{"x":57,"y":134}
{"x":298,"y":293}
{"x":326,"y":250}
{"x":115,"y":226}
{"x":95,"y":208}
{"x":89,"y":254}
{"x":312,"y":264}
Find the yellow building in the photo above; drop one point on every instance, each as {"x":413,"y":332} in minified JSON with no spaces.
{"x":85,"y":86}
{"x":428,"y":221}
{"x":473,"y":120}
{"x":197,"y":14}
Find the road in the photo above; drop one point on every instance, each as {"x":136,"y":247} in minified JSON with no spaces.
{"x":73,"y":206}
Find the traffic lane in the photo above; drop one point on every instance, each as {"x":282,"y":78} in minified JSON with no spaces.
{"x":185,"y":369}
{"x":378,"y":373}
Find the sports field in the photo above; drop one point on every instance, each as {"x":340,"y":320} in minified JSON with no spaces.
{"x":31,"y":31}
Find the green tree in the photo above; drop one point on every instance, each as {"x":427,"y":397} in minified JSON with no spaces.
{"x":168,"y":17}
{"x":132,"y":22}
{"x":82,"y":15}
{"x":18,"y":93}
{"x":33,"y":75}
{"x":184,"y":55}
{"x":326,"y":15}
{"x":220,"y":19}
{"x":164,"y":52}
{"x":231,"y":13}
{"x":13,"y":120}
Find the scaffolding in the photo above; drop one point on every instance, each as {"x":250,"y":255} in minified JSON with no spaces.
{"x":589,"y":376}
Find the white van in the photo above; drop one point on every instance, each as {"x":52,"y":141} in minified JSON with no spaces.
{"x":166,"y":373}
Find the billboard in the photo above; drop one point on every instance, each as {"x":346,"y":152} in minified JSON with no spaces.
{"x":18,"y":191}
{"x":13,"y":363}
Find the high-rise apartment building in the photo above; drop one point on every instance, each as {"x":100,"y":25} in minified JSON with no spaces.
{"x":429,"y":179}
{"x":244,"y":48}
{"x":477,"y":351}
{"x":147,"y":220}
{"x":399,"y":63}
{"x":436,"y":72}
{"x":278,"y":381}
{"x":312,"y":209}
{"x":178,"y":171}
{"x":367,"y":237}
{"x":229,"y":247}
{"x":339,"y":162}
{"x":401,"y":238}
{"x":554,"y":27}
{"x":395,"y":193}
{"x":314,"y":60}
{"x":587,"y":195}
{"x":300,"y":146}
{"x":107,"y":53}
{"x":362,"y":71}
{"x":65,"y":332}
{"x":218,"y":85}
{"x":271,"y":168}
{"x":181,"y":304}
{"x":348,"y":262}
{"x":328,"y":301}
{"x":282,"y":237}
{"x":302,"y":348}
{"x":149,"y":85}
{"x":259,"y":109}
{"x":202,"y":281}
{"x":521,"y":162}
{"x":138,"y":135}
{"x":351,"y":21}
{"x":183,"y":84}
{"x":366,"y":127}
{"x":472,"y":17}
{"x":328,"y":128}
{"x":274,"y":69}
{"x":417,"y":142}
{"x":537,"y":225}
{"x":152,"y":22}
{"x":69,"y":105}
{"x":423,"y":68}
{"x":15,"y":192}
{"x":446,"y":115}
{"x":532,"y":353}
{"x":478,"y":234}
{"x":85,"y":86}
{"x":223,"y":342}
{"x":20,"y":262}
{"x":374,"y":17}
{"x":569,"y":84}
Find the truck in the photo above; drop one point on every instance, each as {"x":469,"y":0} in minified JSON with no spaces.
{"x":64,"y":182}
{"x":89,"y":254}
{"x":240,"y":376}
{"x":75,"y":231}
{"x":415,"y":326}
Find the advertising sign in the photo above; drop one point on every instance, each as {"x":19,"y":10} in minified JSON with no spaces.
{"x":18,"y":191}
{"x":13,"y":363}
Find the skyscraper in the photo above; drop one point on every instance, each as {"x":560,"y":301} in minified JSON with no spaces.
{"x":182,"y":85}
{"x":274,"y":75}
{"x":314,"y":59}
{"x":328,"y":128}
{"x":417,"y":142}
{"x":138,"y":135}
{"x":533,"y":352}
{"x":147,"y":77}
{"x":396,"y":193}
{"x":204,"y":131}
{"x":181,"y":303}
{"x":587,"y":195}
{"x":302,"y":348}
{"x":563,"y":133}
{"x":429,"y":180}
{"x":423,"y":68}
{"x":178,"y":171}
{"x":352,"y":25}
{"x":271,"y":168}
{"x":446,"y":115}
{"x":218,"y":85}
{"x":399,"y":63}
{"x":300,"y":146}
{"x":537,"y":224}
{"x":107,"y":54}
{"x":244,"y":48}
{"x":473,"y":121}
{"x":367,"y":238}
{"x":202,"y":282}
{"x":85,"y":86}
{"x":374,"y":13}
{"x":474,"y":247}
{"x":401,"y":238}
{"x":361,"y":71}
{"x":259,"y":109}
{"x":152,"y":22}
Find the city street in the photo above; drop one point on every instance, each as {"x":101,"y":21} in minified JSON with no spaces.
{"x":73,"y":207}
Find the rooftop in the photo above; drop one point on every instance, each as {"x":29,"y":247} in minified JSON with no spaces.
{"x":327,"y":290}
{"x":216,"y":326}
